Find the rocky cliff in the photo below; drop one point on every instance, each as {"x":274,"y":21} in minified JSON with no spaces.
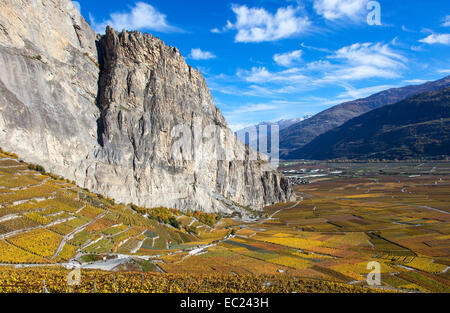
{"x":122,"y":114}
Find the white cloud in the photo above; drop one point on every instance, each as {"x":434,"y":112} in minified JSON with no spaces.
{"x":321,"y":66}
{"x":288,"y":58}
{"x":238,"y":117}
{"x":235,"y":127}
{"x":445,"y":71}
{"x":378,"y":55}
{"x":315,"y":48}
{"x":142,"y":16}
{"x":249,"y":114}
{"x":437,"y":39}
{"x":356,"y":62}
{"x":339,"y":9}
{"x":406,"y":29}
{"x":417,"y":48}
{"x":262,"y":75}
{"x":259,"y":25}
{"x":354,"y":93}
{"x":446,"y":21}
{"x":358,"y":73}
{"x":345,"y":66}
{"x":415,"y":81}
{"x":198,"y":54}
{"x":251,"y":108}
{"x":366,"y":60}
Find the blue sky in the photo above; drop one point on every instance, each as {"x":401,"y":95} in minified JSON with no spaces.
{"x":266,"y":60}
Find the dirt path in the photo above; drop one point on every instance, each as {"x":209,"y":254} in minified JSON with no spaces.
{"x":70,"y":235}
{"x":281,"y":210}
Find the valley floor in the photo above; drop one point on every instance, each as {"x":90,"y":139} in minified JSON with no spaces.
{"x":348,"y":215}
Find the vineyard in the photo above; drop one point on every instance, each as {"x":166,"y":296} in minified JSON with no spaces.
{"x":320,"y":243}
{"x":341,"y":224}
{"x":45,"y":219}
{"x":45,"y":280}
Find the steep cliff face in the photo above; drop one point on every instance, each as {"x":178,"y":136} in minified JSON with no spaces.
{"x":48,"y":84}
{"x":122,"y":114}
{"x":150,"y":99}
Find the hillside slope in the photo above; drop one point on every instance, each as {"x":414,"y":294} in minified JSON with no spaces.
{"x":300,"y":134}
{"x":46,"y":219}
{"x":418,"y":127}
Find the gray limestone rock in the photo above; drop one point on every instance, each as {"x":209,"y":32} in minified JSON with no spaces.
{"x":122,"y":114}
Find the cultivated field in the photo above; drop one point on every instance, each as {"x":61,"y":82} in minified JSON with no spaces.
{"x":46,"y":219}
{"x":346,"y":216}
{"x":397,"y":214}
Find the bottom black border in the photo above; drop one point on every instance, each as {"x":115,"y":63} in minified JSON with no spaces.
{"x":168,"y":303}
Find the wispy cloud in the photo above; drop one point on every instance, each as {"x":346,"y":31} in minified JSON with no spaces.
{"x":251,"y":108}
{"x":405,"y":29}
{"x":415,"y":81}
{"x":240,"y":118}
{"x":357,"y":93}
{"x":446,"y":21}
{"x":142,"y":16}
{"x":288,"y":58}
{"x":357,"y":62}
{"x":262,"y":75}
{"x":366,"y":60}
{"x":340,"y":9}
{"x":432,"y":39}
{"x":316,"y":48}
{"x":379,"y":55}
{"x":259,"y":25}
{"x":198,"y":54}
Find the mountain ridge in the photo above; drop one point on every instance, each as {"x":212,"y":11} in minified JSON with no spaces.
{"x":414,"y":128}
{"x":300,"y":134}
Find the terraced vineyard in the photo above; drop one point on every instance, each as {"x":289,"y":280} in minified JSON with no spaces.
{"x":322,"y":242}
{"x":45,"y":219}
{"x":341,"y":223}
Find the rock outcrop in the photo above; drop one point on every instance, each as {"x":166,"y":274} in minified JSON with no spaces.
{"x":122,"y":114}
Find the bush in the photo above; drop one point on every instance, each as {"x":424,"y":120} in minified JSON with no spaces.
{"x":191,"y":229}
{"x":173,"y":221}
{"x":37,"y":168}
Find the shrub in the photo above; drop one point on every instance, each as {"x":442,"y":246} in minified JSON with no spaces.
{"x":37,"y":168}
{"x":173,"y":221}
{"x":191,"y":229}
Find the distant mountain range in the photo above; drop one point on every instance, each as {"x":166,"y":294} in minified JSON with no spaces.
{"x":418,"y":127}
{"x":282,"y":124}
{"x":299,"y":134}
